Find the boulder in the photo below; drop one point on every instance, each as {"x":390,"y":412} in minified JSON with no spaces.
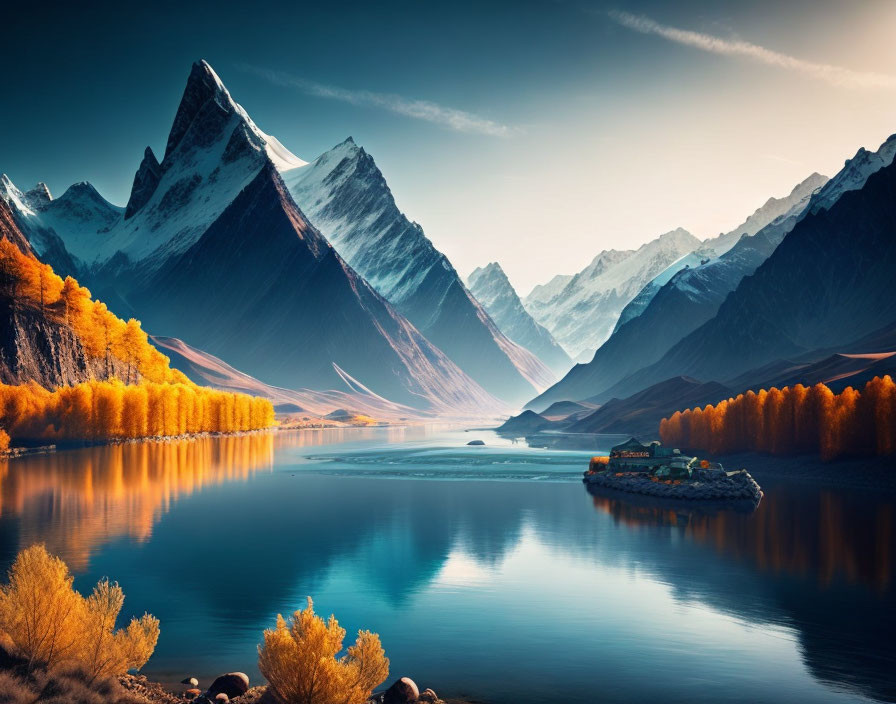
{"x":233,"y":684}
{"x":192,"y":693}
{"x":192,"y":681}
{"x":401,"y":692}
{"x":427,"y":695}
{"x":221,"y":698}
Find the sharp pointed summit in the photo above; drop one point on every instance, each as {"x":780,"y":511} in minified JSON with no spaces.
{"x":146,"y":180}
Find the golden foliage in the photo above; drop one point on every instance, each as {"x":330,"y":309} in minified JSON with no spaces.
{"x":4,"y":440}
{"x":299,"y":660}
{"x":793,"y":420}
{"x":105,"y":410}
{"x":32,"y":283}
{"x":51,"y":623}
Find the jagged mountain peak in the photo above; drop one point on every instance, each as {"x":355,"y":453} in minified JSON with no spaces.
{"x":206,"y":100}
{"x":489,"y":270}
{"x":146,"y":180}
{"x":202,"y":86}
{"x":38,"y":197}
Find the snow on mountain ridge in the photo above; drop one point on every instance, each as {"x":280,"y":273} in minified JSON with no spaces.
{"x":582,"y":315}
{"x":493,"y":289}
{"x":346,"y":196}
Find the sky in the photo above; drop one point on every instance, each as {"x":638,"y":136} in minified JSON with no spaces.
{"x":535,"y":134}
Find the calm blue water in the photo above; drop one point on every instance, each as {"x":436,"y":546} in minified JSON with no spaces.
{"x":487,"y":571}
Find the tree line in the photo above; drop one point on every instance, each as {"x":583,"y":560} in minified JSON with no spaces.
{"x":793,"y":420}
{"x":108,"y":410}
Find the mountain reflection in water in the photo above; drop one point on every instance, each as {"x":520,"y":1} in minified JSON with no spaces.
{"x":501,"y":588}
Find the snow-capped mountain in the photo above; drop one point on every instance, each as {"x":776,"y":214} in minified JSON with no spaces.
{"x":213,"y":250}
{"x":344,"y":194}
{"x":492,"y":288}
{"x":829,"y":282}
{"x":543,"y":293}
{"x":632,"y":359}
{"x":582,"y":315}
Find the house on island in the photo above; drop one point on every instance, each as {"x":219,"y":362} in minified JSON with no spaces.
{"x":633,"y":456}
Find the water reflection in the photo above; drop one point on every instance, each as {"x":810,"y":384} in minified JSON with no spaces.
{"x":75,"y":501}
{"x":492,"y":587}
{"x":825,"y":534}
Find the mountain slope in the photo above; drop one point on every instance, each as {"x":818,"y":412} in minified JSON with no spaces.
{"x":773,"y":209}
{"x":582,"y":315}
{"x":207,"y":370}
{"x":491,"y":287}
{"x":291,"y":312}
{"x":829,"y":281}
{"x":640,"y":302}
{"x":641,"y":413}
{"x":346,"y":196}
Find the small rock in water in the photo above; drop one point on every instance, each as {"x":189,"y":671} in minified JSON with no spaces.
{"x":427,"y":695}
{"x":192,"y":693}
{"x":233,"y":684}
{"x":476,"y":442}
{"x":222,"y":698}
{"x":192,"y":681}
{"x":401,"y":692}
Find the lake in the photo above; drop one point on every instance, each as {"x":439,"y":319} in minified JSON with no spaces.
{"x":487,"y":571}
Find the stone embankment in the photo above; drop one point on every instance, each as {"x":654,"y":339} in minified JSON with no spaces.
{"x":731,"y":485}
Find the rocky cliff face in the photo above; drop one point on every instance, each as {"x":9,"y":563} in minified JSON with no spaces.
{"x":35,"y":348}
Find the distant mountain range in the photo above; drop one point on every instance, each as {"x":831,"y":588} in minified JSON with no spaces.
{"x":582,"y":313}
{"x":808,"y":284}
{"x":492,"y":288}
{"x":662,"y":314}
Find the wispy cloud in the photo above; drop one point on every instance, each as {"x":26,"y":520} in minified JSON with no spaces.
{"x":452,"y":118}
{"x":836,"y":75}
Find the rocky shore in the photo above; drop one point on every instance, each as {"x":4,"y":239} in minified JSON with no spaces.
{"x":737,"y":485}
{"x":234,"y":687}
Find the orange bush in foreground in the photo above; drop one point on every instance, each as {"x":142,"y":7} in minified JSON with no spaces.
{"x":105,"y":410}
{"x":793,"y":420}
{"x":299,"y":658}
{"x":50,"y":623}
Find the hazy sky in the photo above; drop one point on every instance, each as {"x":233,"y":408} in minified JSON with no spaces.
{"x":531,"y":133}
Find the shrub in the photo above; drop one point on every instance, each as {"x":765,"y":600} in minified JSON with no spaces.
{"x":299,"y":660}
{"x":4,"y":440}
{"x":50,"y":623}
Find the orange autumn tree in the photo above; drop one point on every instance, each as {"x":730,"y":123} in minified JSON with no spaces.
{"x":140,"y":396}
{"x":29,"y":282}
{"x":793,"y":420}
